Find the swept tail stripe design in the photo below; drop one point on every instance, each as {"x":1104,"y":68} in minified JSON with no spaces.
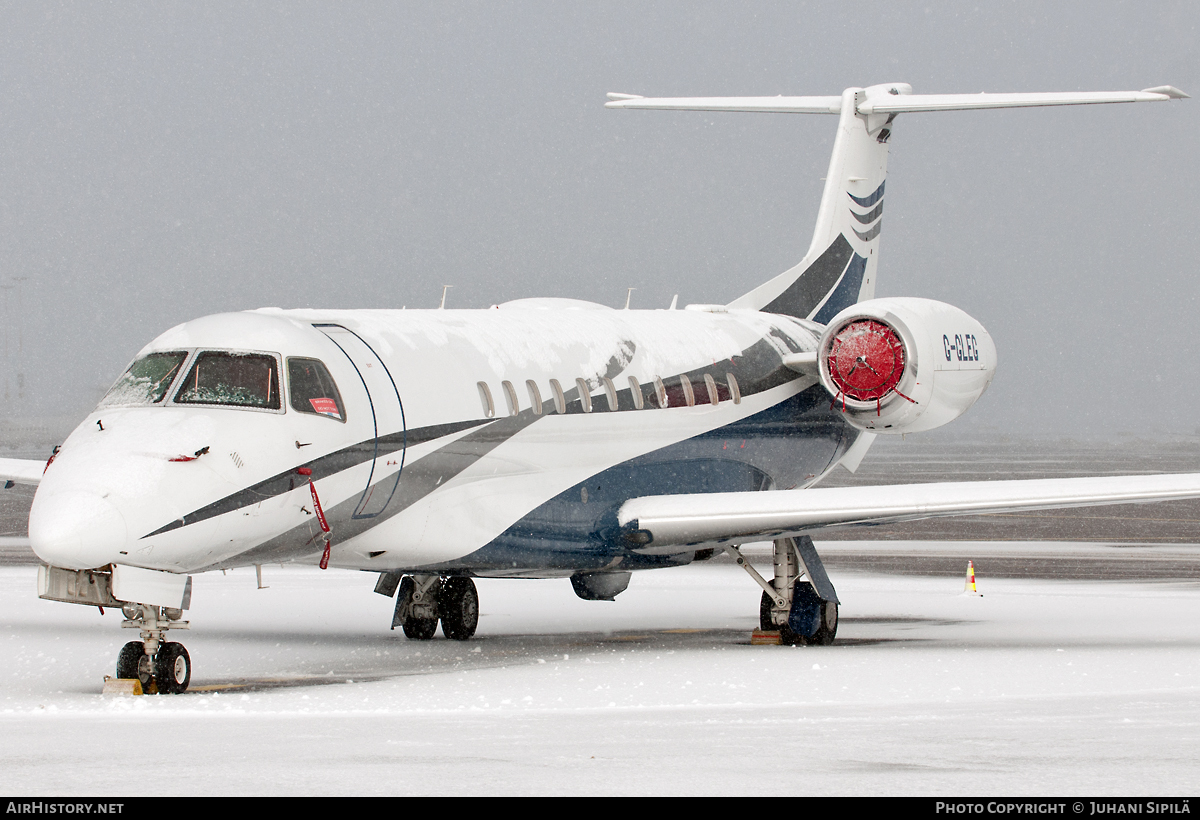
{"x":868,"y":201}
{"x":846,"y":292}
{"x":868,"y":218}
{"x":804,"y":295}
{"x":871,"y":234}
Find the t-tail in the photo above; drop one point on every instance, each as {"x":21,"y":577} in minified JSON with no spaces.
{"x":839,"y":268}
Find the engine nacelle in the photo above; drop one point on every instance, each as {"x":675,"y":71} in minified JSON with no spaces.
{"x":904,"y":365}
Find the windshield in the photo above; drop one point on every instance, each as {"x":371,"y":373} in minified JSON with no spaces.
{"x":232,"y":379}
{"x":146,"y":381}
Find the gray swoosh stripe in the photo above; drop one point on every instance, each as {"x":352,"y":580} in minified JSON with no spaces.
{"x":871,"y":234}
{"x":802,"y":296}
{"x":322,"y":467}
{"x":868,"y":201}
{"x":868,"y":218}
{"x":421,"y":478}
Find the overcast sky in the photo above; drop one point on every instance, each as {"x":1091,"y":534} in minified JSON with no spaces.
{"x":162,"y":162}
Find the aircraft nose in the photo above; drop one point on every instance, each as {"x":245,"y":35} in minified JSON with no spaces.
{"x":76,"y":530}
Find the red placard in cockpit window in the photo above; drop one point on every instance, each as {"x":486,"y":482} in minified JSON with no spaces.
{"x":326,"y":407}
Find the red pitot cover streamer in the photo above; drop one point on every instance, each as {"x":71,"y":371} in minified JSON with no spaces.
{"x":324,"y":524}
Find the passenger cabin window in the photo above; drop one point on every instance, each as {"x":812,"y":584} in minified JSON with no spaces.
{"x":585,"y":395}
{"x":635,"y":390}
{"x":690,"y":396}
{"x":535,"y":396}
{"x":660,"y":391}
{"x":146,"y":381}
{"x":560,"y":401}
{"x":610,"y":390}
{"x":734,"y":390}
{"x":510,"y":395}
{"x":312,"y":389}
{"x":485,"y":396}
{"x":232,"y":380}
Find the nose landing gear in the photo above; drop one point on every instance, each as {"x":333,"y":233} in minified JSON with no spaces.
{"x":162,"y":667}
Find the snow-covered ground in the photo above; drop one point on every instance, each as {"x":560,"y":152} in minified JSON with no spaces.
{"x":1039,"y":687}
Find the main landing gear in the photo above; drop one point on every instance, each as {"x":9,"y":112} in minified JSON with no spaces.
{"x":423,"y":600}
{"x":803,"y":612}
{"x":161,"y":666}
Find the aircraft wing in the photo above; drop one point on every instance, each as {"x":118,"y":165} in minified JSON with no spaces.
{"x":664,"y":523}
{"x":21,"y":470}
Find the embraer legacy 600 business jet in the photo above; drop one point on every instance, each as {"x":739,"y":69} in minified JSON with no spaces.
{"x":540,"y":438}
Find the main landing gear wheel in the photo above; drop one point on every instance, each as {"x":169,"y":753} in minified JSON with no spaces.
{"x":459,"y":608}
{"x":829,"y":622}
{"x":811,"y":621}
{"x":787,"y":635}
{"x":172,"y":669}
{"x":419,"y":629}
{"x":416,"y":628}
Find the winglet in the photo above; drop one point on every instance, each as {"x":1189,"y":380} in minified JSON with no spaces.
{"x":1167,"y":91}
{"x":612,"y":95}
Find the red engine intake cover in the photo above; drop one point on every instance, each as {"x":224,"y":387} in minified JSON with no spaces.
{"x":866,"y":360}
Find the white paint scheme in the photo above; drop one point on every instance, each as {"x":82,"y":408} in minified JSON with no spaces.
{"x":941,"y":385}
{"x":149,"y":586}
{"x":734,"y":517}
{"x":21,"y":471}
{"x":178,"y":488}
{"x":106,"y":489}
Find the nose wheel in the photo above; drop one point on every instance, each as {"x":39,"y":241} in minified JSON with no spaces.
{"x":161,"y":666}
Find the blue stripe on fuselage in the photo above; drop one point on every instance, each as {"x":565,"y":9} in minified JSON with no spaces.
{"x":784,"y":446}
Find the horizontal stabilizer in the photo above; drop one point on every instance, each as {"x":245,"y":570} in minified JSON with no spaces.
{"x":888,"y":103}
{"x":963,"y":102}
{"x":770,"y":105}
{"x":21,"y":471}
{"x":667,"y":522}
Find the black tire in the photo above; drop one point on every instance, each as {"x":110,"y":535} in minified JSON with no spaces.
{"x":172,"y":669}
{"x":787,"y":637}
{"x":829,"y":623}
{"x":459,"y":608}
{"x":415,"y":629}
{"x":419,"y":629}
{"x":765,"y":623}
{"x":129,"y":663}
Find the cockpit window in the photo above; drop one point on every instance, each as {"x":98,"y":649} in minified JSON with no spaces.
{"x":146,"y":381}
{"x":232,"y":379}
{"x":312,"y":389}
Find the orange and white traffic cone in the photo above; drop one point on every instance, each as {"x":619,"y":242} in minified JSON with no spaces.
{"x":969,"y":588}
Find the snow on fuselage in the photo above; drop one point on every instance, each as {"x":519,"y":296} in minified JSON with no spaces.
{"x":498,"y":440}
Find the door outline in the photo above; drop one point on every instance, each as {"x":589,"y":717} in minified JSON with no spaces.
{"x":369,"y":490}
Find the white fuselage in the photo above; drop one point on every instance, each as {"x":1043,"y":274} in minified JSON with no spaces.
{"x":423,"y":471}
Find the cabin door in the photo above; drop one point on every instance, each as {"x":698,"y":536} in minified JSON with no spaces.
{"x":386,"y":450}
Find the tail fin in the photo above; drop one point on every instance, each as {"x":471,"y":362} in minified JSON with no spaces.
{"x":839,"y":268}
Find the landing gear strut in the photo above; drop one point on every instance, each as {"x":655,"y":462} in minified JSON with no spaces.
{"x":423,"y":600}
{"x":161,"y":666}
{"x":803,"y":612}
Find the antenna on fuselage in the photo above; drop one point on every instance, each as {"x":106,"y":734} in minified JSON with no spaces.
{"x":629,"y":297}
{"x":445,"y":288}
{"x":674,"y":301}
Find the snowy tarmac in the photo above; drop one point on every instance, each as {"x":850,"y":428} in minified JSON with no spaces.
{"x":1040,"y":687}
